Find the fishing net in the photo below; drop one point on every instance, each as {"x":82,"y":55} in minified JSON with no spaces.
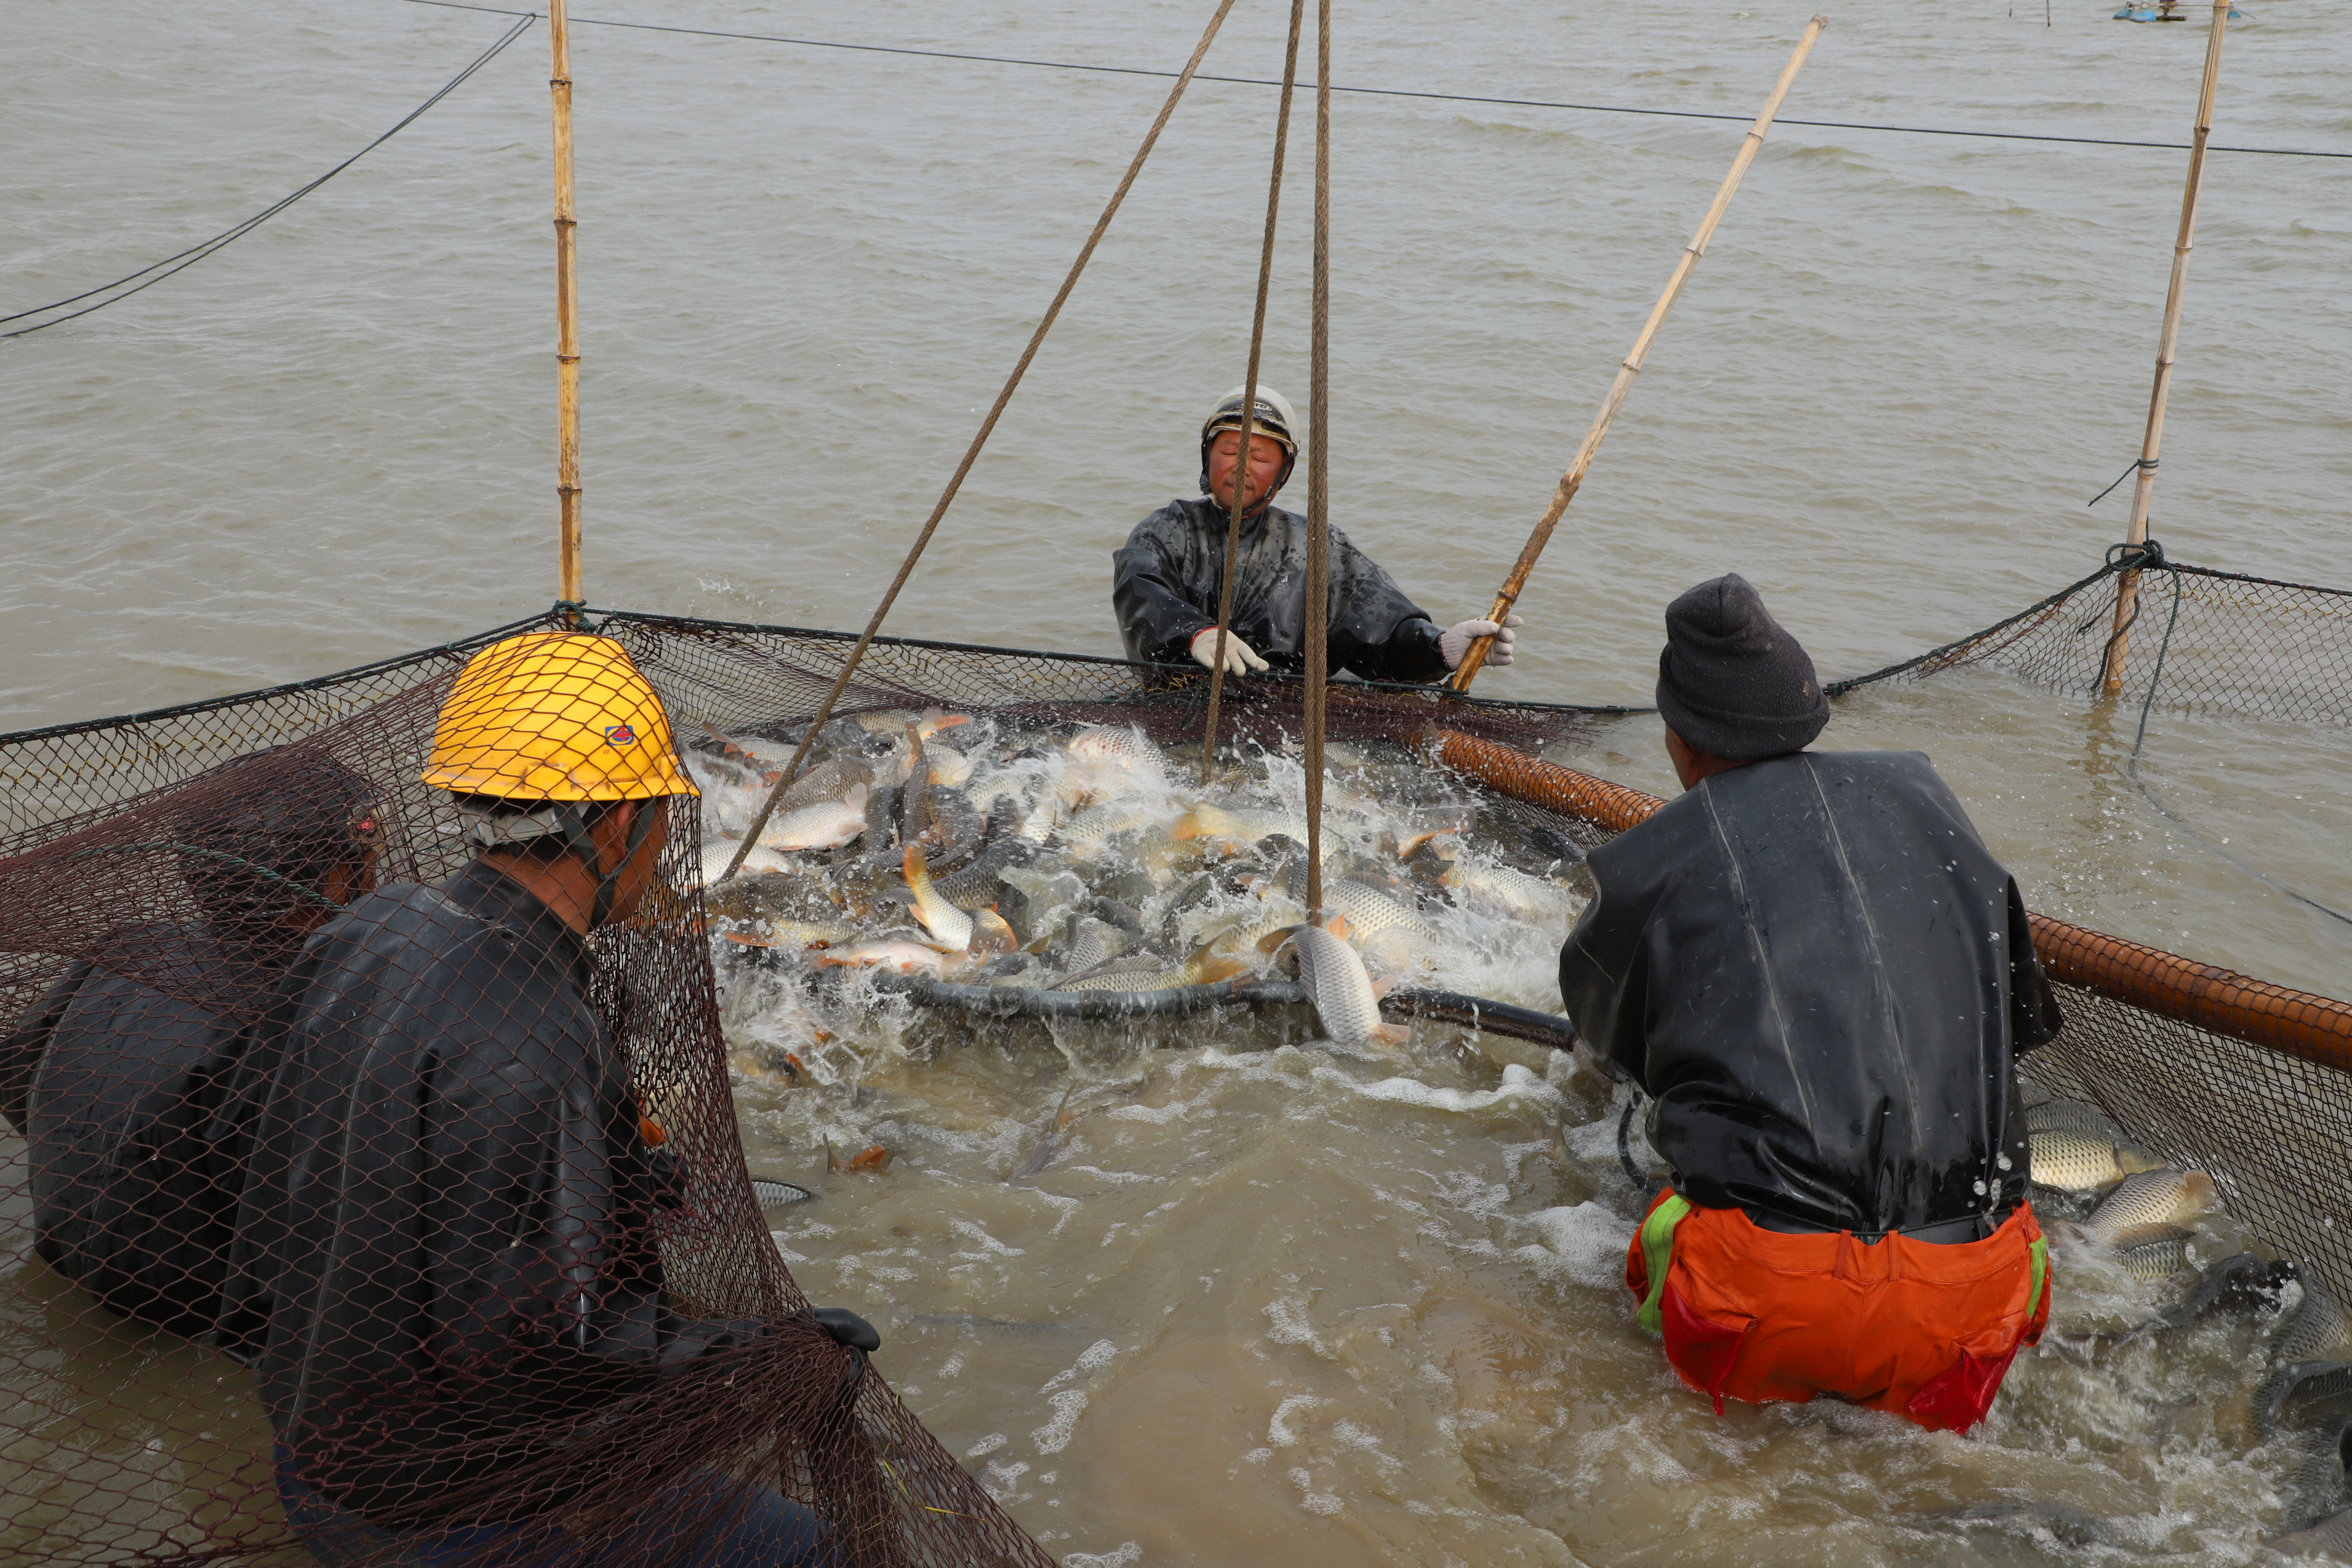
{"x":631,"y":1378}
{"x":157,"y":872}
{"x":2200,"y":640}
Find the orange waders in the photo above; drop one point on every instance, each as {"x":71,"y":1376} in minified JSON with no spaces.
{"x":1924,"y":1330}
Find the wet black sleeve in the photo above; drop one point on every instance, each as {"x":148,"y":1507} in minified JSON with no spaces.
{"x":22,"y":1048}
{"x":2034,"y":1017}
{"x":1604,"y":982}
{"x":1157,"y":619}
{"x":1376,"y":631}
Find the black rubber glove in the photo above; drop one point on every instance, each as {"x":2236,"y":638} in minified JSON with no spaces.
{"x":846,"y":1327}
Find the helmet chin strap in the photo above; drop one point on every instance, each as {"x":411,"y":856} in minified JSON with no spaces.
{"x":583,"y":844}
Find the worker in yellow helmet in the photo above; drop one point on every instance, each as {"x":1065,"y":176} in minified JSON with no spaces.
{"x":445,"y":1263}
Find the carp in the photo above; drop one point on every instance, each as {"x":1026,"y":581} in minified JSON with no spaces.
{"x":1336,"y":983}
{"x":2075,"y":1161}
{"x":2145,"y":1205}
{"x":948,"y":924}
{"x":1085,"y":835}
{"x":977,"y":883}
{"x":1206,"y":966}
{"x":825,"y":825}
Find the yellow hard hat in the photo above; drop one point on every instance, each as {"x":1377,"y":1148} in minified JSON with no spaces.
{"x":555,"y":716}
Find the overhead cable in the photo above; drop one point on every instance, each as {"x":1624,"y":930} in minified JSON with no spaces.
{"x":147,"y":276}
{"x":1383,"y":92}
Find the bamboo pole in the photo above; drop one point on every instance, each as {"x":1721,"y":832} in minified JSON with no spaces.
{"x":1249,"y":397}
{"x":1318,"y":468}
{"x":2128,"y":584}
{"x":567,"y":318}
{"x":1475,"y":655}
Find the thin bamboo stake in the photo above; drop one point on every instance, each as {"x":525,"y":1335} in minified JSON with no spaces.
{"x":567,"y":318}
{"x":979,"y":439}
{"x":1249,"y":395}
{"x":2128,"y":584}
{"x":1475,"y":655}
{"x":1318,"y":468}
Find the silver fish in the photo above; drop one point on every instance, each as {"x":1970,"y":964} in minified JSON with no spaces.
{"x":1513,"y":893}
{"x":2149,"y":1202}
{"x":771,"y":1193}
{"x":1206,"y":965}
{"x":2320,"y":1329}
{"x":832,"y":779}
{"x":1093,"y":944}
{"x":826,"y":825}
{"x":1051,"y":1143}
{"x":2331,"y":1537}
{"x":1113,"y":760}
{"x":948,"y":925}
{"x":1086,"y":834}
{"x":978,"y":883}
{"x":1336,"y":983}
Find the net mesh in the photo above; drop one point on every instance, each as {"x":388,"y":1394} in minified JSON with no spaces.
{"x":621,"y":1369}
{"x":2200,"y":640}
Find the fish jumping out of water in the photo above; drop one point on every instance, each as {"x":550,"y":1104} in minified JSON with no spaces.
{"x":1336,"y":983}
{"x":948,"y":924}
{"x":2144,"y":1206}
{"x":825,"y":825}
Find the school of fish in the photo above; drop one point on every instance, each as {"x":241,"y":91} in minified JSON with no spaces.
{"x":1083,"y":858}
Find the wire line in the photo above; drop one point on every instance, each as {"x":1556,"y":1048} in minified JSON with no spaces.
{"x":196,"y":253}
{"x":1384,"y":91}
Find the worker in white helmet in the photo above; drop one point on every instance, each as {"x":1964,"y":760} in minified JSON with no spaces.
{"x":1170,"y":574}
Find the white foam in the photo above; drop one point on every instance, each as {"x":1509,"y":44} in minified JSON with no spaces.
{"x":1585,"y":1242}
{"x":1055,"y":1436}
{"x":1518,"y":1082}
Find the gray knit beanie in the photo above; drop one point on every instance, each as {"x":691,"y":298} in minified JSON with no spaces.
{"x":1731,"y":680}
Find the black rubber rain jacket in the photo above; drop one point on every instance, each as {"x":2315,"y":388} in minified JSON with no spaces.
{"x":132,"y":1170}
{"x":445,"y":1233}
{"x":1170,"y":572}
{"x":1824,"y":978}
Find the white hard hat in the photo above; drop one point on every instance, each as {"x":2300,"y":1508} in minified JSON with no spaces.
{"x":1273,"y":416}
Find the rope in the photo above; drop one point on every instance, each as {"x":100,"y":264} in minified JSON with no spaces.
{"x":1249,"y":395}
{"x":2135,"y":466}
{"x":971,"y":454}
{"x":196,"y":253}
{"x":1318,"y":468}
{"x":300,"y":889}
{"x":1388,"y":91}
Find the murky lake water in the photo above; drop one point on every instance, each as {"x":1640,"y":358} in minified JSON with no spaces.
{"x":1306,"y":1321}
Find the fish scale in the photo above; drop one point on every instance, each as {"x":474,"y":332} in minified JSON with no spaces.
{"x":2147,"y":1202}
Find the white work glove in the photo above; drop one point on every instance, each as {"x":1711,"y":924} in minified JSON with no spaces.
{"x":1455,"y":640}
{"x":1240,"y":658}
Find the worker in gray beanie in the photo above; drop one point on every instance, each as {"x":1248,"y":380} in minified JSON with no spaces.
{"x":1822,"y":980}
{"x":1732,"y":682}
